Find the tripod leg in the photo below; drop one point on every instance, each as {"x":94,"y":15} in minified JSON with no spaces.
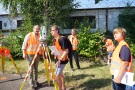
{"x":52,"y":71}
{"x":28,"y":72}
{"x":15,"y":66}
{"x":46,"y":62}
{"x":3,"y":62}
{"x":47,"y":71}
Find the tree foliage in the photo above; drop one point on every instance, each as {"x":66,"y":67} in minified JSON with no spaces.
{"x":127,"y":21}
{"x":96,"y":1}
{"x":41,"y":11}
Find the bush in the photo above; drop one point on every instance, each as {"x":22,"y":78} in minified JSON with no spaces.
{"x":15,"y":39}
{"x":14,"y":42}
{"x":90,"y":43}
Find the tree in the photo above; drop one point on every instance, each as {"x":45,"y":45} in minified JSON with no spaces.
{"x":96,"y":1}
{"x":127,"y":21}
{"x":41,"y":11}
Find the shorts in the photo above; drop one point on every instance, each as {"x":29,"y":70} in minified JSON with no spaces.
{"x":59,"y":69}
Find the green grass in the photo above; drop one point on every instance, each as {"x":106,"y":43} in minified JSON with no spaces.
{"x":89,"y":77}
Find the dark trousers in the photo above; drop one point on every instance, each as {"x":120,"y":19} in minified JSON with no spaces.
{"x":75,"y":55}
{"x":117,"y":86}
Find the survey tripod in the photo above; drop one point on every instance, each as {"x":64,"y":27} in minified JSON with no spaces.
{"x":5,"y":53}
{"x":48,"y":66}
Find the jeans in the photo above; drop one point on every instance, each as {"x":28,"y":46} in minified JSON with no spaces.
{"x":117,"y":86}
{"x":33,"y":76}
{"x":129,"y":87}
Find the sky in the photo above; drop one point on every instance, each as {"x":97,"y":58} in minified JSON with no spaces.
{"x":91,"y":4}
{"x":104,"y":3}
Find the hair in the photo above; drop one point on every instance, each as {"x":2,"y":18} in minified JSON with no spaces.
{"x":35,"y":26}
{"x":121,"y":30}
{"x":55,"y":27}
{"x":75,"y":30}
{"x":104,"y":39}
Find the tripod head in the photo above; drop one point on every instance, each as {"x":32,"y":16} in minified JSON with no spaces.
{"x":43,"y":35}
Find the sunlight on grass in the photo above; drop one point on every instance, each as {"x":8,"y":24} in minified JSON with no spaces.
{"x":89,"y":77}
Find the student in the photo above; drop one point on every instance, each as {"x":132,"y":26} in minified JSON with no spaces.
{"x":29,"y":48}
{"x":74,"y":41}
{"x":121,"y":59}
{"x":110,"y":48}
{"x":61,"y":44}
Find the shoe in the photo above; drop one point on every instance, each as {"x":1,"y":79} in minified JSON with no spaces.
{"x":72,"y":69}
{"x":79,"y":68}
{"x":38,"y":84}
{"x":33,"y":88}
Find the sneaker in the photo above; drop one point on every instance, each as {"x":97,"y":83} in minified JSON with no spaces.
{"x":108,"y":63}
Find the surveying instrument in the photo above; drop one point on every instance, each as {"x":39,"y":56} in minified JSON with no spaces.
{"x":5,"y":53}
{"x":48,"y":66}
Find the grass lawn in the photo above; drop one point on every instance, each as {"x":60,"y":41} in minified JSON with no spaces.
{"x":89,"y":77}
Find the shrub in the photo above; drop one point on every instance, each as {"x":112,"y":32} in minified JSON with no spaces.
{"x":90,"y":43}
{"x":14,"y":42}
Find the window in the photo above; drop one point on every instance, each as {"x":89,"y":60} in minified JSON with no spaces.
{"x":0,"y":24}
{"x":75,"y":21}
{"x":19,"y":23}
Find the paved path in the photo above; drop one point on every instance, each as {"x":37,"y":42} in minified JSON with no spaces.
{"x":14,"y":82}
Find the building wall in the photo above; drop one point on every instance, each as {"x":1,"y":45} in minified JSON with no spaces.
{"x":113,"y":18}
{"x":101,"y":18}
{"x":9,"y":23}
{"x":100,"y":15}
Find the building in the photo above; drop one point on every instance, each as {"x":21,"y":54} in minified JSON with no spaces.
{"x":102,"y":16}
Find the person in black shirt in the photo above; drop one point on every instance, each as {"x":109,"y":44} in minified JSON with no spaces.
{"x":61,"y":44}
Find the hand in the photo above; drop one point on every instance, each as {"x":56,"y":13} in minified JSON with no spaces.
{"x":109,"y":57}
{"x":58,"y":63}
{"x":117,"y":80}
{"x":52,"y":52}
{"x":24,"y":56}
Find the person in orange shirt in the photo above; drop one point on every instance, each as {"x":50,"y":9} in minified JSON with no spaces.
{"x":110,"y":48}
{"x":29,"y":48}
{"x":61,"y":60}
{"x":74,"y":41}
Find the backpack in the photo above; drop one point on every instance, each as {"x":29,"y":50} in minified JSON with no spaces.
{"x":69,"y":44}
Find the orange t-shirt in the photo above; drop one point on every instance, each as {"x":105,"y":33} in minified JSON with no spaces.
{"x":109,"y":45}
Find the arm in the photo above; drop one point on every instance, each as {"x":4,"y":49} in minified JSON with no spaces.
{"x":125,"y":59}
{"x":77,"y":40}
{"x":24,"y":46}
{"x":65,"y":52}
{"x":63,"y":43}
{"x":123,"y":68}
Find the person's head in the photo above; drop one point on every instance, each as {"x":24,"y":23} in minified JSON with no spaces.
{"x":54,"y":30}
{"x":73,"y":31}
{"x":119,"y":33}
{"x":104,"y":39}
{"x":36,"y":29}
